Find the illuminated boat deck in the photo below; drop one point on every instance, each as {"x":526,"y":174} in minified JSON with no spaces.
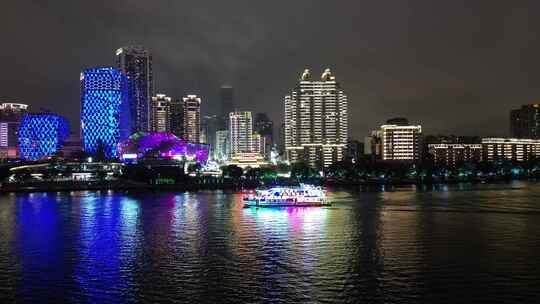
{"x":302,"y":196}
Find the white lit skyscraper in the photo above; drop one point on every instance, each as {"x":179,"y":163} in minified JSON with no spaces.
{"x":241,"y":133}
{"x":192,"y":118}
{"x":160,"y":113}
{"x":316,"y":121}
{"x":136,"y":63}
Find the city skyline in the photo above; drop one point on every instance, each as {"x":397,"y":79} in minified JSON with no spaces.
{"x":304,"y":151}
{"x":388,"y":70}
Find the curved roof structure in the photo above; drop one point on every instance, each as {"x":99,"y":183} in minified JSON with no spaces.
{"x":162,"y":145}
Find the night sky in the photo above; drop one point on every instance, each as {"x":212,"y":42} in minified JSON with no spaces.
{"x":456,"y":67}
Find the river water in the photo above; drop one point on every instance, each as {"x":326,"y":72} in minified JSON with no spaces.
{"x":459,"y":244}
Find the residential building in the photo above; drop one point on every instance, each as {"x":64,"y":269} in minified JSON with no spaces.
{"x":400,"y":141}
{"x":512,"y":149}
{"x":241,"y":133}
{"x":160,"y":113}
{"x":455,"y":154}
{"x":316,"y":121}
{"x":192,"y":118}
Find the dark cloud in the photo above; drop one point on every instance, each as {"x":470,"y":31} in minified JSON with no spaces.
{"x":454,"y":66}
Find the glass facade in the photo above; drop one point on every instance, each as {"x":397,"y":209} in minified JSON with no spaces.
{"x":105,"y":115}
{"x":41,"y":135}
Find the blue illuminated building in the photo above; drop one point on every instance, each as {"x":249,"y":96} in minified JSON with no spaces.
{"x":105,"y":112}
{"x":41,"y":135}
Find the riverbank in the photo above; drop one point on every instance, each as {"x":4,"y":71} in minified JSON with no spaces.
{"x":199,"y":184}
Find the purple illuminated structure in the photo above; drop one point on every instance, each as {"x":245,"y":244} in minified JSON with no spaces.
{"x":161,"y":145}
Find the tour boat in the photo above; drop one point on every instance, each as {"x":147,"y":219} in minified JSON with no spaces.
{"x":301,"y":196}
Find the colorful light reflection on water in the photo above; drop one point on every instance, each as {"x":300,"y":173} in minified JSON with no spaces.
{"x":391,"y":247}
{"x":296,"y":219}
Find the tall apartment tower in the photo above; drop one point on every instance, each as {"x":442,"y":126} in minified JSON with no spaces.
{"x":241,"y":133}
{"x":400,"y":140}
{"x":160,"y":113}
{"x":105,"y":115}
{"x":525,"y":122}
{"x":192,"y":118}
{"x":136,"y":63}
{"x":316,"y":121}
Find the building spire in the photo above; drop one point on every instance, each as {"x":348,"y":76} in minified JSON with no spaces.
{"x":327,"y":75}
{"x":306,"y":75}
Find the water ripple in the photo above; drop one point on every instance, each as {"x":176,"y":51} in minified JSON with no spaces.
{"x":453,"y":244}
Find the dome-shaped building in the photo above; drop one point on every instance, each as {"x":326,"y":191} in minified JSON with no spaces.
{"x":161,"y":145}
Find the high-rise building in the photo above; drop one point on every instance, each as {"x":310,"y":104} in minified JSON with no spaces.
{"x":316,"y":121}
{"x":192,"y":118}
{"x":227,"y":106}
{"x":160,"y":113}
{"x":42,"y":135}
{"x":265,"y":128}
{"x":209,"y":126}
{"x":105,"y":115}
{"x":177,"y":117}
{"x":136,"y":63}
{"x":241,"y":133}
{"x":525,"y":122}
{"x":400,"y":141}
{"x":10,"y":121}
{"x":516,"y":149}
{"x":221,"y":150}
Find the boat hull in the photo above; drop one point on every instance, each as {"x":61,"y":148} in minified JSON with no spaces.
{"x":258,"y":204}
